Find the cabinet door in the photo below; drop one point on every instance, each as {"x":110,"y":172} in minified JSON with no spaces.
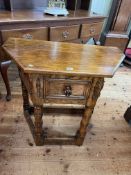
{"x":32,"y":33}
{"x":64,"y":33}
{"x":123,"y":16}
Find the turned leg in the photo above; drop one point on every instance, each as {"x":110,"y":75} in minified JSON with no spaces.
{"x":95,"y":90}
{"x":38,"y":112}
{"x":26,"y":104}
{"x":4,"y":68}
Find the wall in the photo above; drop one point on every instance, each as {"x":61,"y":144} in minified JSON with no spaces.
{"x":1,"y":4}
{"x":101,"y":7}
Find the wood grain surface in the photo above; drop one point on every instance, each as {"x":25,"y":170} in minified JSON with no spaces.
{"x":35,"y":56}
{"x":35,"y":15}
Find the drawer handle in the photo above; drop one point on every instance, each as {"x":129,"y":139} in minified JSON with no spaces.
{"x":65,"y":34}
{"x":27,"y":36}
{"x":92,"y":30}
{"x":68,"y":91}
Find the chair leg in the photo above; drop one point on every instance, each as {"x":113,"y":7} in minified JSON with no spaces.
{"x":127,"y":115}
{"x":4,"y":68}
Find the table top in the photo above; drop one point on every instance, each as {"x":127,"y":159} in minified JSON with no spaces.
{"x":47,"y":57}
{"x":38,"y":15}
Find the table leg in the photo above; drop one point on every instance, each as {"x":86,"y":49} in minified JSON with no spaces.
{"x":96,"y":88}
{"x":26,"y":104}
{"x":4,"y":68}
{"x":38,"y":112}
{"x":38,"y":135}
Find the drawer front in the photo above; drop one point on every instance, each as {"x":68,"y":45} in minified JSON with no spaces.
{"x":91,"y":29}
{"x":64,"y":33}
{"x":35,"y":33}
{"x":67,"y":89}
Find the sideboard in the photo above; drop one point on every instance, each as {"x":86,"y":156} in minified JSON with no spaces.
{"x":78,"y":27}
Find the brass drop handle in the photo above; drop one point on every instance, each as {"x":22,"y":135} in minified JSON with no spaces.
{"x":68,"y":91}
{"x":27,"y":36}
{"x":65,"y":34}
{"x":92,"y":30}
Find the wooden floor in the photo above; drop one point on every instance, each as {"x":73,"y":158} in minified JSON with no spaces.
{"x":107,"y":147}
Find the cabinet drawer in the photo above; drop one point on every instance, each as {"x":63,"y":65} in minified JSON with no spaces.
{"x":64,"y":33}
{"x":91,"y":29}
{"x":35,"y":33}
{"x":70,"y":89}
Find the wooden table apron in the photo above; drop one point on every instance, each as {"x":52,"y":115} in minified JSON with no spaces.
{"x":51,"y":77}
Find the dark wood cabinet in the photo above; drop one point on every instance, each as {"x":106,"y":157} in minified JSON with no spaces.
{"x":122,"y":17}
{"x":117,"y":33}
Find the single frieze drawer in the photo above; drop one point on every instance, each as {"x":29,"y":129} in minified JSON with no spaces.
{"x":64,"y":33}
{"x":32,"y":33}
{"x":61,"y":88}
{"x":91,"y":29}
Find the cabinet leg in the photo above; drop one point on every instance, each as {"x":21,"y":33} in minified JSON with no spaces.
{"x":4,"y":68}
{"x":38,"y":135}
{"x":95,"y":90}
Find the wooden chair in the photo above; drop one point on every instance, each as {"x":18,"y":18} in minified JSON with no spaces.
{"x":3,"y":69}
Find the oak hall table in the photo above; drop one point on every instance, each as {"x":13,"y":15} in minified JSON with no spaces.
{"x":57,"y":74}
